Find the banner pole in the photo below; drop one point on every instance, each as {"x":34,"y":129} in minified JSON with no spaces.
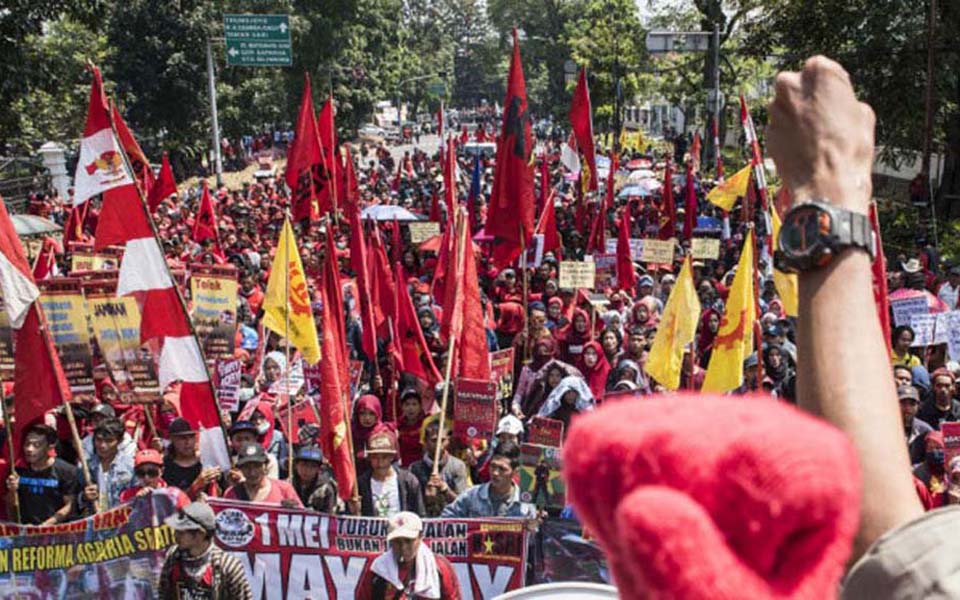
{"x":8,"y":425}
{"x":522,"y":263}
{"x":286,"y":342}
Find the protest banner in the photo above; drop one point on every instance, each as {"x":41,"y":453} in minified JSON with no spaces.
{"x":606,"y":269}
{"x":213,"y":289}
{"x":951,"y":323}
{"x":501,"y":372}
{"x":66,"y":315}
{"x":229,"y":372}
{"x":293,"y":553}
{"x":475,"y":410}
{"x":951,"y":440}
{"x":540,"y":480}
{"x":544,"y":431}
{"x":636,"y":247}
{"x":116,"y":326}
{"x":658,"y":251}
{"x":904,"y":309}
{"x":929,"y":329}
{"x":423,"y":231}
{"x":306,"y":426}
{"x":577,"y":274}
{"x":6,"y":345}
{"x":705,"y":248}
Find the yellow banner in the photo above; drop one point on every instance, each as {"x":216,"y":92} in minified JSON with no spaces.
{"x":66,"y":318}
{"x":116,"y":325}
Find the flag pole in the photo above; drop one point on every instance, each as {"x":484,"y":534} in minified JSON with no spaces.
{"x":8,"y":425}
{"x":522,"y":263}
{"x":286,"y":343}
{"x":461,"y":231}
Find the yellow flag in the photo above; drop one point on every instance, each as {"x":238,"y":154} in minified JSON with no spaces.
{"x":725,"y":194}
{"x":786,"y":283}
{"x":734,"y":341}
{"x":287,"y":267}
{"x":678,"y":326}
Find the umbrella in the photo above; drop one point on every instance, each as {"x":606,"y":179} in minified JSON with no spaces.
{"x":936,"y":305}
{"x":640,"y":174}
{"x":389,"y":212}
{"x":27,"y":225}
{"x":639,"y":163}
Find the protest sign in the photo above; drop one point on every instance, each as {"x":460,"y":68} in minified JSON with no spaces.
{"x":606,"y":268}
{"x":423,"y":231}
{"x":116,"y":326}
{"x":213,"y":289}
{"x":535,"y":251}
{"x":658,"y":251}
{"x":636,"y":247}
{"x":929,"y":329}
{"x":228,"y":383}
{"x":475,"y":410}
{"x":577,"y":274}
{"x":903,"y":310}
{"x":311,"y":375}
{"x":305,"y":424}
{"x":66,"y":315}
{"x":294,"y":553}
{"x":544,"y":431}
{"x":705,"y":248}
{"x":6,"y":345}
{"x":501,"y":372}
{"x":540,"y":480}
{"x":951,"y":440}
{"x":93,"y":261}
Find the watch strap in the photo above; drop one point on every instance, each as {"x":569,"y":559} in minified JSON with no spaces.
{"x":853,"y":229}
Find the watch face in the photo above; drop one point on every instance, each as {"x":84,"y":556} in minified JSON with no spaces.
{"x":804,"y":231}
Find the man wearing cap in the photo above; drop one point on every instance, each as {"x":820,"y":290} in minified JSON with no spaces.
{"x":443,"y":487}
{"x":181,"y":465}
{"x":244,"y":433}
{"x":257,"y":486}
{"x":386,"y":489}
{"x":46,"y":487}
{"x":195,"y":567}
{"x":111,"y":471}
{"x":314,"y":481}
{"x":941,"y":406}
{"x":408,"y":569}
{"x":914,"y":429}
{"x":148,"y":469}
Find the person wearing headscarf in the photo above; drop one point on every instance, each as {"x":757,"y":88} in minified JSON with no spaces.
{"x":707,"y":333}
{"x":545,"y":381}
{"x":596,"y":369}
{"x":571,"y":397}
{"x":646,"y":312}
{"x":575,"y":338}
{"x":409,"y":426}
{"x":556,"y":322}
{"x":367,"y":418}
{"x":544,"y":350}
{"x":510,"y":323}
{"x":271,"y":438}
{"x":776,"y":366}
{"x":931,"y":471}
{"x":613,"y":320}
{"x":629,"y":371}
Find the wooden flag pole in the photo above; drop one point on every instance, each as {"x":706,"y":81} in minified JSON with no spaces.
{"x":522,"y":263}
{"x":8,"y":425}
{"x":286,"y":344}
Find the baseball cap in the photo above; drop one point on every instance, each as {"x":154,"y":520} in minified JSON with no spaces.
{"x":410,"y":391}
{"x":908,"y":392}
{"x":243,"y":426}
{"x":148,"y":457}
{"x":251,"y":453}
{"x":645,"y":280}
{"x":405,"y":525}
{"x":750,"y":361}
{"x":193,"y":517}
{"x":510,"y":424}
{"x":309,"y":453}
{"x":180,"y":426}
{"x":382,"y":442}
{"x":104,"y":410}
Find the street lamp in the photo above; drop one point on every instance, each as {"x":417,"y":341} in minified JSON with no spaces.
{"x":442,"y":74}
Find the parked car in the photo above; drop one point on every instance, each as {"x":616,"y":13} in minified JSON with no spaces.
{"x":372,"y":131}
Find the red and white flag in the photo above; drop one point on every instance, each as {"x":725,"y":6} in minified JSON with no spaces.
{"x":100,"y":166}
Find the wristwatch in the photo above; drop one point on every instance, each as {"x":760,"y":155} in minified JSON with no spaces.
{"x":814,"y":232}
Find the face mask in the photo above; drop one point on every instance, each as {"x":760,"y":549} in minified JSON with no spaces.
{"x":935,"y":457}
{"x":262,"y":428}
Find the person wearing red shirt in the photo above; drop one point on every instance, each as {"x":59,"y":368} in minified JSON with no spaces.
{"x":148,"y":468}
{"x":409,"y":569}
{"x":256,"y":485}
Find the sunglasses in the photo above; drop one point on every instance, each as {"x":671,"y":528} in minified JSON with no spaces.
{"x":147,"y":472}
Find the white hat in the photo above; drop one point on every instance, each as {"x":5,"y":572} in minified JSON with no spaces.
{"x":406,"y":525}
{"x":912,"y":266}
{"x":510,"y":424}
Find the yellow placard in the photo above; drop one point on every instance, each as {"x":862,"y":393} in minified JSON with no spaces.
{"x":116,"y":325}
{"x":705,"y":248}
{"x":423,"y":231}
{"x":215,"y":312}
{"x":658,"y":251}
{"x":577,"y":274}
{"x":67,"y":321}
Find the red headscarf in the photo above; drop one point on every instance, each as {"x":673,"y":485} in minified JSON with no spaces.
{"x":596,"y":375}
{"x":511,"y":318}
{"x":370,"y":403}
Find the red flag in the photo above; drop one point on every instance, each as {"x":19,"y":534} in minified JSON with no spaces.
{"x":350,"y":187}
{"x":598,"y":233}
{"x":626,"y":275}
{"x":46,"y":263}
{"x":327,"y":130}
{"x":73,"y":230}
{"x":358,"y":262}
{"x":581,"y":120}
{"x":474,"y":354}
{"x":510,"y":219}
{"x":413,"y":346}
{"x":333,"y":293}
{"x":138,"y":160}
{"x":307,"y":175}
{"x":383,"y":286}
{"x":689,"y":205}
{"x":668,"y":211}
{"x":879,"y":269}
{"x":164,"y":186}
{"x":544,"y":184}
{"x":434,"y":206}
{"x":449,"y":179}
{"x":547,"y":226}
{"x":205,"y":223}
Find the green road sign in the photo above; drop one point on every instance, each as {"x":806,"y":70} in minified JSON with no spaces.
{"x":258,"y":40}
{"x":437,"y":89}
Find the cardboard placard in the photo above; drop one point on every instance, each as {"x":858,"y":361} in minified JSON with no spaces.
{"x":705,"y":248}
{"x":952,"y":327}
{"x":66,"y":314}
{"x":636,"y":247}
{"x":475,"y":410}
{"x":535,"y":251}
{"x":93,"y":261}
{"x":228,"y":383}
{"x":116,"y":325}
{"x":540,"y":480}
{"x":929,"y":329}
{"x":306,"y":427}
{"x":951,"y":440}
{"x":423,"y":231}
{"x":544,"y":431}
{"x":576,"y":274}
{"x":214,"y":314}
{"x":658,"y":251}
{"x":501,"y":372}
{"x":903,"y":310}
{"x":606,"y":266}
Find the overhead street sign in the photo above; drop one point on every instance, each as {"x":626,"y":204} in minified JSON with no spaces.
{"x":258,"y":40}
{"x":661,"y":42}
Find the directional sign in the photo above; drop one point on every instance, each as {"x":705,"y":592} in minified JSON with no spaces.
{"x":258,"y":40}
{"x":660,"y":42}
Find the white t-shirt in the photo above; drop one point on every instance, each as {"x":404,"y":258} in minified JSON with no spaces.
{"x":386,"y":496}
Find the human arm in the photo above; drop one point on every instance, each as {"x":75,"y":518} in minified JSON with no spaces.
{"x":822,"y":141}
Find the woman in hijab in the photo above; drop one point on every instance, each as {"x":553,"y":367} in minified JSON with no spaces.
{"x":613,"y":320}
{"x":571,"y":397}
{"x":544,"y":350}
{"x":510,"y":323}
{"x":431,"y":330}
{"x":546,"y":380}
{"x":556,"y":322}
{"x":596,"y":369}
{"x":776,"y":366}
{"x":268,"y":435}
{"x":575,"y":338}
{"x":628,"y":371}
{"x":646,"y":312}
{"x":367,"y":417}
{"x":709,"y":326}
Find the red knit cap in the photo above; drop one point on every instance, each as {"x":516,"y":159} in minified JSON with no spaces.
{"x":713,"y":497}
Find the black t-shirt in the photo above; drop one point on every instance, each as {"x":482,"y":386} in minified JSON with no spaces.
{"x":180,"y":477}
{"x":41,"y":493}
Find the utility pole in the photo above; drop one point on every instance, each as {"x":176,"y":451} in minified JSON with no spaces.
{"x":928,"y":116}
{"x":212,"y":88}
{"x":716,"y":86}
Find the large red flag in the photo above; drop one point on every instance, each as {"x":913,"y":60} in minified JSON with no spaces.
{"x":668,"y":210}
{"x":350,"y":189}
{"x":581,"y":120}
{"x":307,"y":174}
{"x":358,"y":262}
{"x":327,"y":130}
{"x":164,"y":186}
{"x":474,"y":353}
{"x":689,"y":205}
{"x":205,"y":224}
{"x":413,"y":346}
{"x":598,"y":233}
{"x":626,"y":275}
{"x":547,"y":226}
{"x":544,"y":183}
{"x":510,"y":219}
{"x":138,"y":160}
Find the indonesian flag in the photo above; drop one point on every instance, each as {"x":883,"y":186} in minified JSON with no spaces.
{"x":100,"y":166}
{"x":138,"y":160}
